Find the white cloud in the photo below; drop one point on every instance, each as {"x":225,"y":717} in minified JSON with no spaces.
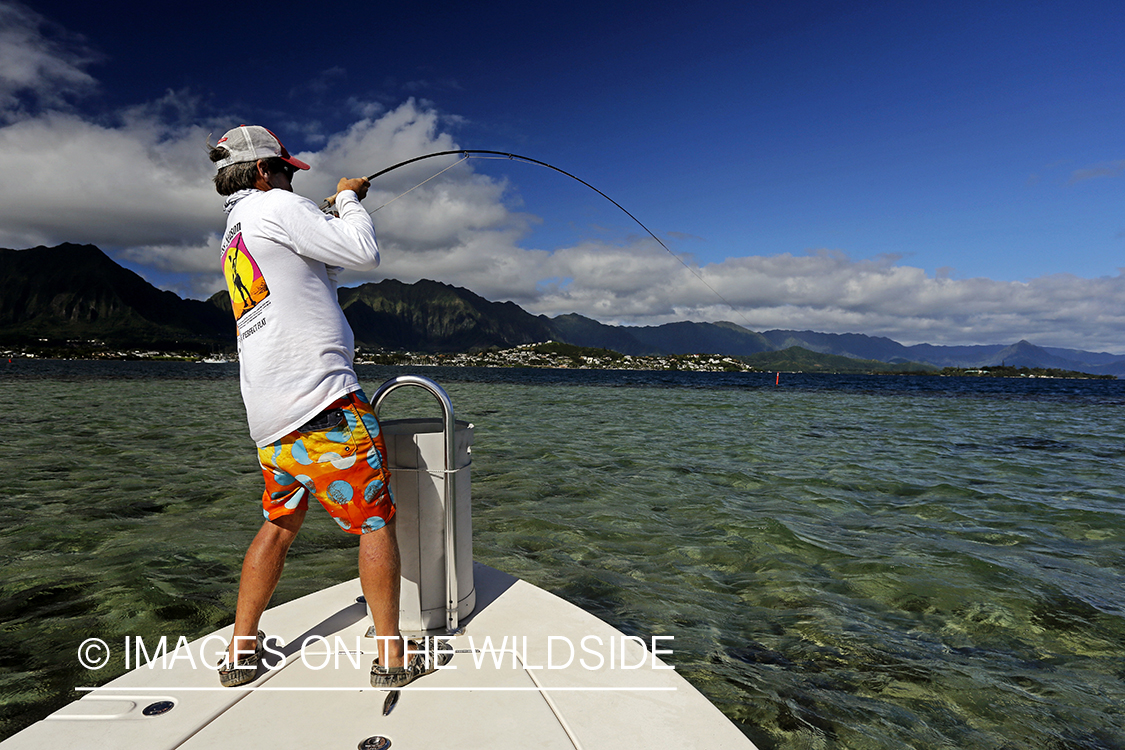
{"x":197,"y":263}
{"x":640,"y":283}
{"x":84,"y":182}
{"x":36,"y":64}
{"x":135,"y":180}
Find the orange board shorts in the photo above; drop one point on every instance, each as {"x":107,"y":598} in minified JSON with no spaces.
{"x":338,"y":457}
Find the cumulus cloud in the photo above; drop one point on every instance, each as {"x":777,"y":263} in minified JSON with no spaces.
{"x":138,"y":185}
{"x":138,"y":182}
{"x":427,"y":217}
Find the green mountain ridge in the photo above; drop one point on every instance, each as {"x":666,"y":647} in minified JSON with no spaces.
{"x":75,"y":295}
{"x":78,"y":292}
{"x":434,"y":317}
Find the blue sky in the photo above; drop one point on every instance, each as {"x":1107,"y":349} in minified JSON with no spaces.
{"x":939,"y":172}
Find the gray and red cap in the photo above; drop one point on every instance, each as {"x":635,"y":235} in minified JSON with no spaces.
{"x":253,"y":142}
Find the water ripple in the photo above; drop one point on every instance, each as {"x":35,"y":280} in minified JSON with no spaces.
{"x":849,"y":563}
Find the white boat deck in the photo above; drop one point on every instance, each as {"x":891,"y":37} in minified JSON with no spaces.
{"x":511,"y":698}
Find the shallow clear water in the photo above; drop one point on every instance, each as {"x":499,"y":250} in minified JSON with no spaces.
{"x":845,"y":562}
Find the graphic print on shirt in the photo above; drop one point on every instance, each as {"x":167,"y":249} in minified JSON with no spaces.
{"x":245,"y":282}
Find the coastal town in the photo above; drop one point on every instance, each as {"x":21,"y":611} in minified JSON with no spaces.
{"x":555,"y":355}
{"x":551,"y":355}
{"x":544,"y":355}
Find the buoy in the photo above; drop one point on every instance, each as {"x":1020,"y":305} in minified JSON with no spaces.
{"x":778,"y":380}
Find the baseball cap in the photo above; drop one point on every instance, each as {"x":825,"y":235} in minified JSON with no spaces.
{"x":253,"y":142}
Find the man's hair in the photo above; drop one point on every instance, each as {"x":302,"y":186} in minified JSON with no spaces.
{"x":241,"y":176}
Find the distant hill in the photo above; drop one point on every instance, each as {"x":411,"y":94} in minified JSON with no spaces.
{"x":1020,"y":354}
{"x":852,"y":345}
{"x":799,"y":359}
{"x":702,"y":338}
{"x":434,"y":317}
{"x":77,"y":293}
{"x":670,"y":338}
{"x":574,"y":328}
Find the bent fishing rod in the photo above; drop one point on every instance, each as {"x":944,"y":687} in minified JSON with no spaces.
{"x":326,"y":206}
{"x":467,"y":153}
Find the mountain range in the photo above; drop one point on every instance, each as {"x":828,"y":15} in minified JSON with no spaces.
{"x":78,"y":294}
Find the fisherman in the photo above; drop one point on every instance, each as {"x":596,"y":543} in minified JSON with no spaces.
{"x":315,"y":431}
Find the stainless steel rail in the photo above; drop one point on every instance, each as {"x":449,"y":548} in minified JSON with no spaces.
{"x":449,"y":426}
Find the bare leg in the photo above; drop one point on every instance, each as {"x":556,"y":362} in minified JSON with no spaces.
{"x":379,"y":570}
{"x":261,"y":570}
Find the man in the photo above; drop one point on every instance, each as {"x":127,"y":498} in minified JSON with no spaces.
{"x":315,"y":432}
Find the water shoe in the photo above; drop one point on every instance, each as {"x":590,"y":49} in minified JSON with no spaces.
{"x":245,"y":669}
{"x":392,"y":678}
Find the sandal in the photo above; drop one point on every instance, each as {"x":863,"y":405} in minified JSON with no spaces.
{"x":245,"y":669}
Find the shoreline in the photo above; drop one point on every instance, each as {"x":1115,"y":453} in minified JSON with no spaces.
{"x":552,"y":355}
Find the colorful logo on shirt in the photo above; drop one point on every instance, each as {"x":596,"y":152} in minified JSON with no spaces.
{"x":245,"y":282}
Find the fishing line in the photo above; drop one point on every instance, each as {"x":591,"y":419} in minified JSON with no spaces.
{"x":498,"y":155}
{"x":420,"y":184}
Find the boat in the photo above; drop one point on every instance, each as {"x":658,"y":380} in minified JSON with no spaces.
{"x":525,"y":668}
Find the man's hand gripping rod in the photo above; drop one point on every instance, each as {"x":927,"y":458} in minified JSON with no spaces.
{"x":357,"y":184}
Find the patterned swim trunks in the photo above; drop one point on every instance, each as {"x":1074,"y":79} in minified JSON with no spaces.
{"x":339,"y":457}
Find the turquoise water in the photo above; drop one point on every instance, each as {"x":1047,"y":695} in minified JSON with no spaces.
{"x":844,"y":562}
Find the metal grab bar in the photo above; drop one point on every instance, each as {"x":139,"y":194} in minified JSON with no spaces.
{"x":449,"y":427}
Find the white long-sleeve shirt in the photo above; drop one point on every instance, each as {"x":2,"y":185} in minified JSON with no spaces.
{"x":295,"y":346}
